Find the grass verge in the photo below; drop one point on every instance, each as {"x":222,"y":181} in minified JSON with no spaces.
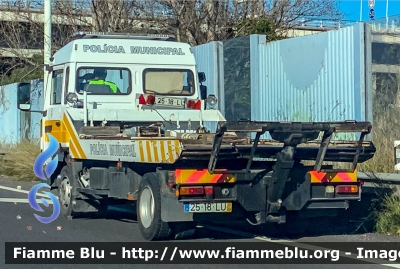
{"x":385,"y":211}
{"x":18,"y":160}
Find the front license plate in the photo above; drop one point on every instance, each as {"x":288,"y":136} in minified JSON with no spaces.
{"x":165,"y":101}
{"x":207,"y":207}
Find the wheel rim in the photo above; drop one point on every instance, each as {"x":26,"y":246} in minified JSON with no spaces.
{"x":146,"y":207}
{"x":65,"y":192}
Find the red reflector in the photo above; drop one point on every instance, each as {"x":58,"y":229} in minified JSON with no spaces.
{"x":147,"y":100}
{"x":197,"y":105}
{"x":347,"y":189}
{"x":192,"y":104}
{"x":209,"y":190}
{"x":142,"y":101}
{"x":150,"y":100}
{"x":191,"y":191}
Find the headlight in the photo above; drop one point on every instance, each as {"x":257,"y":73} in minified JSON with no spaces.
{"x":71,"y":98}
{"x":212,"y":101}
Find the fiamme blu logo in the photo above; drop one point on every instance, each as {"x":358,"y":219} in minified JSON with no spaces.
{"x":44,"y":172}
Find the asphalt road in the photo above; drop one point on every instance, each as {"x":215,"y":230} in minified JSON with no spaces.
{"x":18,"y":224}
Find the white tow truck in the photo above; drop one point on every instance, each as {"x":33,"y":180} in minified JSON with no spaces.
{"x":128,"y":112}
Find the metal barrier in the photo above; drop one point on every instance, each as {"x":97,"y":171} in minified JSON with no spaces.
{"x":385,"y":178}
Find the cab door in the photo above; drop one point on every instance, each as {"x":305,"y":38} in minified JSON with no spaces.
{"x":54,"y":103}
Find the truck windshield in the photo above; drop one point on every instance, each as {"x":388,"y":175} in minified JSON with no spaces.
{"x":103,"y":81}
{"x":168,"y":81}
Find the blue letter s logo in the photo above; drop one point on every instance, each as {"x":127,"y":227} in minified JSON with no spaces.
{"x":34,"y":204}
{"x":49,"y":170}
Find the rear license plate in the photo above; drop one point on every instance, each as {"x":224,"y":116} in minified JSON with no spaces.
{"x":207,"y":207}
{"x":166,"y":101}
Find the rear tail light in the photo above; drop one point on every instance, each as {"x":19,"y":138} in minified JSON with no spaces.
{"x":347,"y":189}
{"x":209,"y":190}
{"x":147,"y":99}
{"x":150,"y":99}
{"x":193,"y":104}
{"x":191,"y":191}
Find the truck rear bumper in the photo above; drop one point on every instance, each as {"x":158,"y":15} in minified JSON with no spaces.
{"x":303,"y":190}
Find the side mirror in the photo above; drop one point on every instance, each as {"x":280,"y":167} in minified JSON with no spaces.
{"x":24,"y":96}
{"x":203,"y":92}
{"x":202,"y":77}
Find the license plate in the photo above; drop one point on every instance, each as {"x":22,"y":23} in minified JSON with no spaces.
{"x":207,"y":207}
{"x":166,"y":101}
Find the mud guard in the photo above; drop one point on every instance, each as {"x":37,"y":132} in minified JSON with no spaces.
{"x":171,"y":209}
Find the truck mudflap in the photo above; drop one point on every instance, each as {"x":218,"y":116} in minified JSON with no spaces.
{"x":268,"y":194}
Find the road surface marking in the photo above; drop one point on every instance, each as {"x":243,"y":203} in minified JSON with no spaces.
{"x":19,"y":200}
{"x":21,"y":191}
{"x":302,"y":245}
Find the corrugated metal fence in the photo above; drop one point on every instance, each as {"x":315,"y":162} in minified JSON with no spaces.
{"x":321,"y":77}
{"x":310,"y":78}
{"x":16,"y":125}
{"x":213,"y":67}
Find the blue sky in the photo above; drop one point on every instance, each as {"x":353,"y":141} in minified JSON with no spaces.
{"x":352,"y":7}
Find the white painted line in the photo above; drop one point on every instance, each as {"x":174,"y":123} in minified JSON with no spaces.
{"x":304,"y":246}
{"x":21,"y":191}
{"x":22,"y":201}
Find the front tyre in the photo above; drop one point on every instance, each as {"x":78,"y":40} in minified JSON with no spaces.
{"x":66,"y":192}
{"x":149,"y":209}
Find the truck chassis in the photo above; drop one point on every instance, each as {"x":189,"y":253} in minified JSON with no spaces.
{"x":261,"y":180}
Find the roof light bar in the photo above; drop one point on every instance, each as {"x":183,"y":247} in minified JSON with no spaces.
{"x":106,"y":35}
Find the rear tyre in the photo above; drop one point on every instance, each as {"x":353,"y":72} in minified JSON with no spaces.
{"x":149,"y":210}
{"x":67,"y":192}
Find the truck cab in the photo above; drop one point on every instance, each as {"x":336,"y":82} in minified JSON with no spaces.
{"x":125,"y":81}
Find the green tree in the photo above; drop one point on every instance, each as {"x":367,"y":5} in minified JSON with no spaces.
{"x":22,"y":70}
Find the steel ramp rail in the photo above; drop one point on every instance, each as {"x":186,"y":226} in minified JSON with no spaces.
{"x":290,"y":134}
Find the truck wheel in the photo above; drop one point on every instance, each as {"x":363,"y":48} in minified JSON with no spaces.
{"x":149,"y":209}
{"x":66,"y":193}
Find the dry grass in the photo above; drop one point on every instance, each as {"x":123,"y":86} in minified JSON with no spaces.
{"x":387,"y":218}
{"x":18,"y":160}
{"x":386,"y":129}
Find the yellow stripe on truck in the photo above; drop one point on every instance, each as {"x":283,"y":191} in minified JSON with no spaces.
{"x":73,"y":150}
{"x":74,"y":137}
{"x":154,"y":151}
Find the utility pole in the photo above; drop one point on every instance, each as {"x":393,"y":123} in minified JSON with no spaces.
{"x":387,"y":13}
{"x":47,"y":37}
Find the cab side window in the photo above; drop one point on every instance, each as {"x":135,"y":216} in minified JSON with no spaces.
{"x":66,"y":84}
{"x":57,"y":89}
